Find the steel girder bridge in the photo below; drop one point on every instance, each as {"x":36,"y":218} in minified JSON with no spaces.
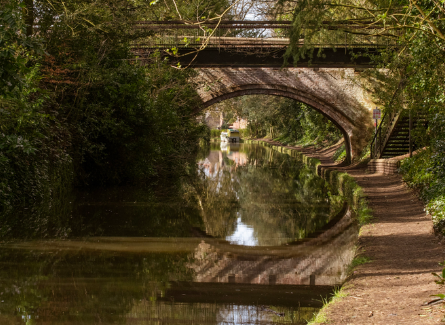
{"x":249,"y":44}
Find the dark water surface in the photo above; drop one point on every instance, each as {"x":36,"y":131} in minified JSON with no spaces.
{"x":252,"y":238}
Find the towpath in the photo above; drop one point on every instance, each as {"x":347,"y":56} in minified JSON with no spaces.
{"x":403,"y":250}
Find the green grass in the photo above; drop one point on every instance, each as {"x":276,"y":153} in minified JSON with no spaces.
{"x":358,"y":260}
{"x":339,"y":293}
{"x":321,"y":317}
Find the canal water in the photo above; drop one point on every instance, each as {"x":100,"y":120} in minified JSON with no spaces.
{"x":254,"y":237}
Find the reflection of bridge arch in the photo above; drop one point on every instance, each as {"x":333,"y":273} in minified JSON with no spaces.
{"x":334,"y":92}
{"x":321,"y":260}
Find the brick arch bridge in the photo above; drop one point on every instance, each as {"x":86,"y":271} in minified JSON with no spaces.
{"x":335,"y":92}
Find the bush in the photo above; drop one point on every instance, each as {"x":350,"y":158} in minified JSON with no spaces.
{"x":214,"y":133}
{"x":85,"y":114}
{"x":244,"y":133}
{"x":340,"y":153}
{"x":423,"y":172}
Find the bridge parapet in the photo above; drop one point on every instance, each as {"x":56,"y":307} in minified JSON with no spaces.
{"x":180,"y":34}
{"x":243,"y":43}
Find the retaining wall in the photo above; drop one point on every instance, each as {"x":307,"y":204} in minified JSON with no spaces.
{"x":384,"y":166}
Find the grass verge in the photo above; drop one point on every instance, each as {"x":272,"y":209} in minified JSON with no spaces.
{"x":321,"y":316}
{"x":339,"y":293}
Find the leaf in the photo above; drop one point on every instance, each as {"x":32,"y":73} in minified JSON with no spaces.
{"x":440,"y":295}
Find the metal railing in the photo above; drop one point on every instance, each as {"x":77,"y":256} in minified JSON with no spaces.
{"x":383,"y":133}
{"x":233,"y":34}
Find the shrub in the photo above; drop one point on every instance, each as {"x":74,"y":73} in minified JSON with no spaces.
{"x":214,"y":133}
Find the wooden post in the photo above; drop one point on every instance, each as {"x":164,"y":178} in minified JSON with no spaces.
{"x":312,"y":279}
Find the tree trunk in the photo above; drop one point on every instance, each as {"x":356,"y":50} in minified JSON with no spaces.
{"x":29,"y":16}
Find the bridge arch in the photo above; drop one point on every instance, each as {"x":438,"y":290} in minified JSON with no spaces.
{"x":334,"y":92}
{"x":345,"y":128}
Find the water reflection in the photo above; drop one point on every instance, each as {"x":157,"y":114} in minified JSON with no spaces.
{"x":253,"y":239}
{"x":243,"y":235}
{"x":252,"y":195}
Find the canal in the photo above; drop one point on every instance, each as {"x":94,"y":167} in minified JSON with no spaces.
{"x":251,"y":236}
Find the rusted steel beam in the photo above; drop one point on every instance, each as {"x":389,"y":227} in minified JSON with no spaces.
{"x":178,"y":24}
{"x":221,"y":26}
{"x":245,"y":22}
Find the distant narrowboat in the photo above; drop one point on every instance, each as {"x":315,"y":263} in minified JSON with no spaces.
{"x":232,"y":135}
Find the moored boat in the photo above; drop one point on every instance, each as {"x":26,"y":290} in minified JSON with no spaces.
{"x":232,"y":135}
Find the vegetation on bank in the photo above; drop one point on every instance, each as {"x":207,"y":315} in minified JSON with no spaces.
{"x":321,"y":317}
{"x":78,"y":109}
{"x":424,"y":172}
{"x":410,"y":72}
{"x":280,"y":119}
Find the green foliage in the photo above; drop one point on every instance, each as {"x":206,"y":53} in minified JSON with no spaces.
{"x":187,"y":9}
{"x":321,"y":317}
{"x":440,"y":281}
{"x":340,"y":153}
{"x":86,"y":113}
{"x":17,"y":51}
{"x":440,"y":277}
{"x":424,"y":172}
{"x":138,"y":124}
{"x":359,"y":260}
{"x":215,"y":133}
{"x":244,"y":133}
{"x":35,"y":170}
{"x":282,"y":119}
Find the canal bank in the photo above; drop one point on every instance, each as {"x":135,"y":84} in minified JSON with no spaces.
{"x":401,"y":246}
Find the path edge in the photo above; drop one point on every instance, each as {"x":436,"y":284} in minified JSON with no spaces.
{"x":343,"y":184}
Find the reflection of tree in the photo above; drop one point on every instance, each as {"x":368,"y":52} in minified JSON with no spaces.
{"x":217,"y":198}
{"x":287,"y":202}
{"x":130,"y":211}
{"x":274,"y":194}
{"x":83,"y":287}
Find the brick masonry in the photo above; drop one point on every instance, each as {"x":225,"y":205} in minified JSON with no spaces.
{"x":384,"y":166}
{"x":336,"y":92}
